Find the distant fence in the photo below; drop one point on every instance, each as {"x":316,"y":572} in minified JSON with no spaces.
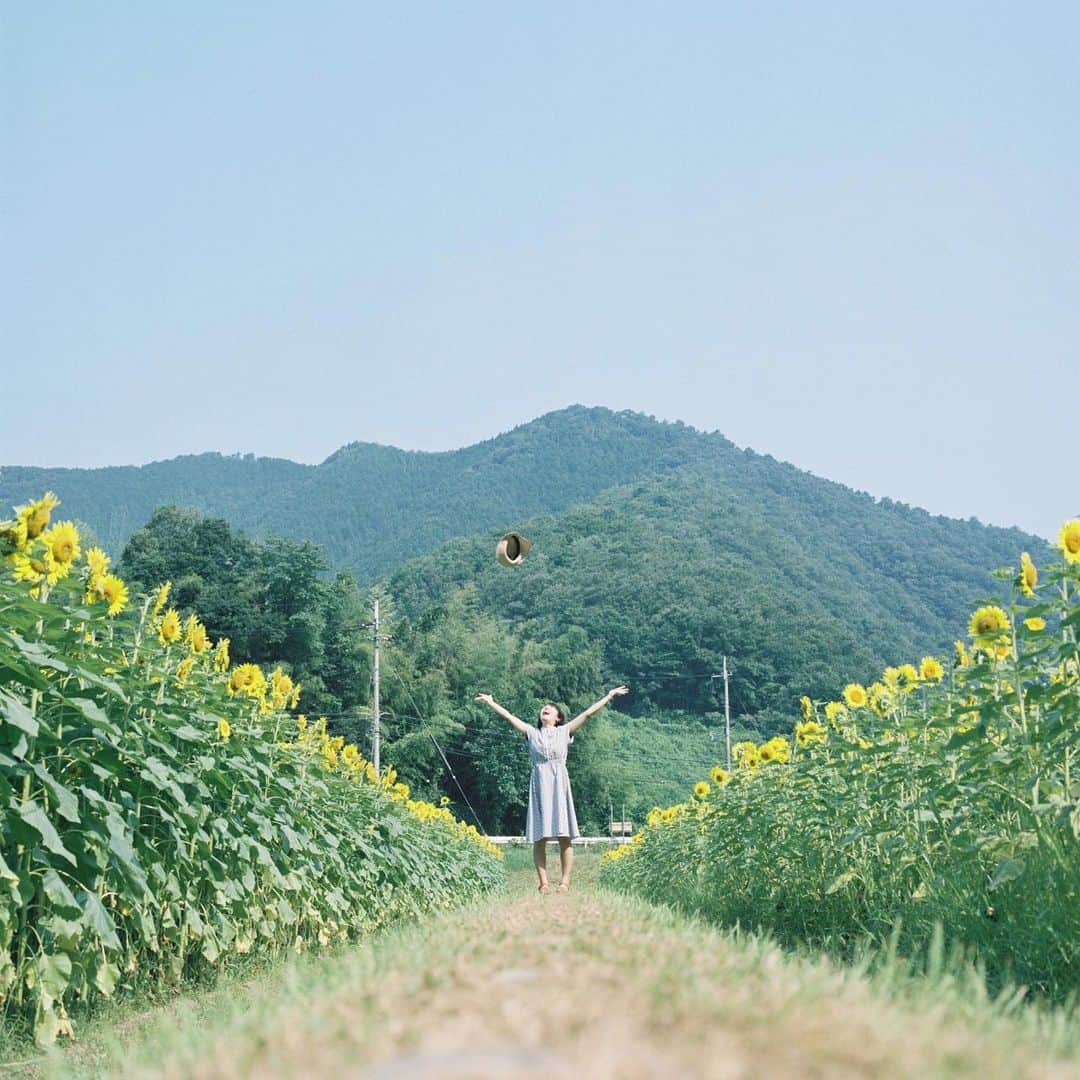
{"x":579,"y":841}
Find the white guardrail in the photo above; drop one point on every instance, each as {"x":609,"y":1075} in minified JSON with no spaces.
{"x":579,"y":841}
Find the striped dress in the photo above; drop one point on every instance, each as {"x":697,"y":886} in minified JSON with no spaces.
{"x":551,"y":803}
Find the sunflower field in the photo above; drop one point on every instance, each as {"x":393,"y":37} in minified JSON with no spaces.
{"x":940,"y":804}
{"x":162,"y":811}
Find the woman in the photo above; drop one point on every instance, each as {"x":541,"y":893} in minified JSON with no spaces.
{"x":551,"y":803}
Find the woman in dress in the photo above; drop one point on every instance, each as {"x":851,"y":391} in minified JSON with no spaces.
{"x":551,"y":803}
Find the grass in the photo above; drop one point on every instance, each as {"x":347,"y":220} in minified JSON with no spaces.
{"x":518,"y":863}
{"x":588,"y":982}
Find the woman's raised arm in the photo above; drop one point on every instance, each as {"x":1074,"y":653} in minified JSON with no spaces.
{"x":487,"y":699}
{"x":596,"y":707}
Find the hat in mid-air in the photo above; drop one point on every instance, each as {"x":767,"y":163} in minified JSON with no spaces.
{"x":512,"y":549}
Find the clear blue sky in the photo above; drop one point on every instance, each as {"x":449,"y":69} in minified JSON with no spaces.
{"x":844,"y":234}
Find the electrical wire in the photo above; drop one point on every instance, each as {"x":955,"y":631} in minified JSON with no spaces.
{"x":453,"y":776}
{"x":492,"y":742}
{"x":642,"y":772}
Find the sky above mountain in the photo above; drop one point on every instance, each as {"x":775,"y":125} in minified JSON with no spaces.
{"x":842,"y":236}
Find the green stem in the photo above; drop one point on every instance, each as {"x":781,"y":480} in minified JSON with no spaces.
{"x":24,"y":875}
{"x":1020,"y":692}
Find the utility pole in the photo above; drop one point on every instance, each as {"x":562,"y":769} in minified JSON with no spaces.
{"x":727,"y":715}
{"x":375,"y":695}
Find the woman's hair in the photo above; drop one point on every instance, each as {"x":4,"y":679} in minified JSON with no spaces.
{"x":558,"y":712}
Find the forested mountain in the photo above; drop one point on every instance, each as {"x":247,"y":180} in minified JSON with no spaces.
{"x":670,"y":547}
{"x":803,"y":583}
{"x":372,"y":507}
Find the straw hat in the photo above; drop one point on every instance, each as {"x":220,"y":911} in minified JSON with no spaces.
{"x":512,"y":549}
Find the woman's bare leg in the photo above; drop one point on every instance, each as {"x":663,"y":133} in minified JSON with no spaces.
{"x":540,"y":862}
{"x":566,"y":861}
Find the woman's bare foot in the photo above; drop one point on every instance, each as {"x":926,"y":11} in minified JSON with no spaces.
{"x":564,"y":886}
{"x":543,"y":887}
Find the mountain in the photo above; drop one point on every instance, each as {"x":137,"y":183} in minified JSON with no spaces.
{"x":803,"y":584}
{"x":670,"y":547}
{"x":371,"y":506}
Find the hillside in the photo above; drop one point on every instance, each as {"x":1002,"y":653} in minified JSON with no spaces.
{"x":670,"y":547}
{"x":372,"y":507}
{"x":804,"y":583}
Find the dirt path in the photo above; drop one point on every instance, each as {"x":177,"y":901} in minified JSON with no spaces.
{"x":583,"y":985}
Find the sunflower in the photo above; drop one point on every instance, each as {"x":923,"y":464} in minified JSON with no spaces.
{"x":855,"y":696}
{"x":169,"y":631}
{"x":807,"y":707}
{"x":1035,"y":624}
{"x":810,"y":731}
{"x":962,"y":658}
{"x":834,"y":711}
{"x":12,"y":536}
{"x":989,"y":628}
{"x":162,"y":597}
{"x":35,"y":515}
{"x":746,"y":755}
{"x":195,"y":634}
{"x":62,"y":542}
{"x":115,"y":592}
{"x":249,"y":680}
{"x":184,"y":668}
{"x":701,"y":789}
{"x":909,"y":677}
{"x":98,"y":563}
{"x":224,"y":729}
{"x":38,"y":567}
{"x":1029,"y":575}
{"x":221,"y":655}
{"x":31,"y":570}
{"x":1069,"y":539}
{"x":881,"y":700}
{"x":281,"y":688}
{"x":720,"y":775}
{"x":781,"y":748}
{"x":930,"y":670}
{"x":776,"y":749}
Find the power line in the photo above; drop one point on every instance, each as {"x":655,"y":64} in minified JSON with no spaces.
{"x":641,"y":764}
{"x":491,"y":741}
{"x":453,"y":776}
{"x":641,"y":770}
{"x":665,"y":675}
{"x":485,"y":749}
